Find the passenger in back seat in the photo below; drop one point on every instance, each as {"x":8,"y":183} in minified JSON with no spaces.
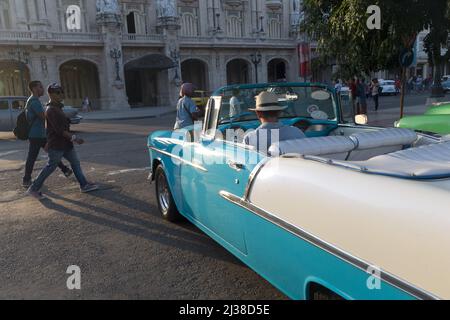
{"x":271,"y":130}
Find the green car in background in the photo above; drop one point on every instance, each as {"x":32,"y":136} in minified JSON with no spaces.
{"x":435,"y":120}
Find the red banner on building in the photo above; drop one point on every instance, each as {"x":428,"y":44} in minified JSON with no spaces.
{"x":304,"y":57}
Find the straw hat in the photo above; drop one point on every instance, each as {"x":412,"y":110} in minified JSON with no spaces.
{"x":267,"y":101}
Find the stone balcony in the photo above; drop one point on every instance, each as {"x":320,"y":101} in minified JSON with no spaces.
{"x":50,"y":38}
{"x":44,"y":38}
{"x":148,"y":40}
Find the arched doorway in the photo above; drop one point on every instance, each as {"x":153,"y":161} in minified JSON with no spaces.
{"x":195,"y":71}
{"x":276,"y":70}
{"x":238,"y":71}
{"x":79,"y":79}
{"x":147,"y":80}
{"x":14,"y":78}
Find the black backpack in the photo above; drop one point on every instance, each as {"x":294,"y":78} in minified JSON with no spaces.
{"x":22,"y":129}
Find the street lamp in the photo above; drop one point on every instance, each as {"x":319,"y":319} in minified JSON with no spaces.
{"x":116,"y":54}
{"x":22,"y":57}
{"x":175,"y":55}
{"x":256,"y":60}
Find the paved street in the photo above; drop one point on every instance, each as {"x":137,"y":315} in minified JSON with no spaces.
{"x":124,"y":249}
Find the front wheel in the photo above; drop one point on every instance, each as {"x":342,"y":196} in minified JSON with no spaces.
{"x":164,"y":197}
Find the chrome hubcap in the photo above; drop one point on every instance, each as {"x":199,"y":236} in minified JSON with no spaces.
{"x":163,"y":193}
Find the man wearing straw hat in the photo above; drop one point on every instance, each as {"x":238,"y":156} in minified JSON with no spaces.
{"x":271,"y":130}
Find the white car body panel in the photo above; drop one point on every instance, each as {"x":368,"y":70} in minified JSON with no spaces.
{"x":372,"y":217}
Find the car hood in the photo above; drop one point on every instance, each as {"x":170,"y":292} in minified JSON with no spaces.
{"x":443,"y":108}
{"x":437,"y":123}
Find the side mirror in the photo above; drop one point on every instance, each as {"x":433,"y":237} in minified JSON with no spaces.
{"x":361,"y":119}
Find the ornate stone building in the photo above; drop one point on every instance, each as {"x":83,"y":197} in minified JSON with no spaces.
{"x":138,"y":52}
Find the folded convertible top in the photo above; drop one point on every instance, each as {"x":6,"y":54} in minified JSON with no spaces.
{"x":420,"y":163}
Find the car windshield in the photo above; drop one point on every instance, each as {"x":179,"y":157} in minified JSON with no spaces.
{"x":313,"y":102}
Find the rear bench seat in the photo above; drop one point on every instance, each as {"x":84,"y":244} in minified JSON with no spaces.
{"x":375,"y":143}
{"x":332,"y":147}
{"x":426,"y":162}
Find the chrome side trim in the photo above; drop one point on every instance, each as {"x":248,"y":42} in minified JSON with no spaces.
{"x":252,"y":177}
{"x":339,"y":253}
{"x":197,"y":166}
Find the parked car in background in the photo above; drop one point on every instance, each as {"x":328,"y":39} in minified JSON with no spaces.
{"x":11,"y":107}
{"x":200,"y":98}
{"x":436,"y":120}
{"x":446,"y":85}
{"x":387,"y":87}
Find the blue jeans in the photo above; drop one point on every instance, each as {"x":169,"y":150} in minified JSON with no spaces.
{"x":36,"y":144}
{"x":54,"y":158}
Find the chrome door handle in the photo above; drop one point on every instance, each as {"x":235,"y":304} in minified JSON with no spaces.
{"x":236,"y":166}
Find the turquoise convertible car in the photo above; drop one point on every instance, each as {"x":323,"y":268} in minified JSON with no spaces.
{"x":331,"y":216}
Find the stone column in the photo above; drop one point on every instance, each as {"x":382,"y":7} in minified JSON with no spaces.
{"x":21,"y":14}
{"x":263,"y":74}
{"x":203,"y":16}
{"x":114,"y":97}
{"x":41,"y":9}
{"x":169,"y":24}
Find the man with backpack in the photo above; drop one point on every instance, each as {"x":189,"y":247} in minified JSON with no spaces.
{"x":36,"y":133}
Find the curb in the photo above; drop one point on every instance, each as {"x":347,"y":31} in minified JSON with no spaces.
{"x":132,"y":117}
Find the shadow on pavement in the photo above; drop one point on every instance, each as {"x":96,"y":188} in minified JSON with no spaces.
{"x":183,"y":239}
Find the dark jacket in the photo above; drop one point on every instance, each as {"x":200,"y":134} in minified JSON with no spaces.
{"x":57,"y":123}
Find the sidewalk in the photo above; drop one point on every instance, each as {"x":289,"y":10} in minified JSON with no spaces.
{"x":135,"y":113}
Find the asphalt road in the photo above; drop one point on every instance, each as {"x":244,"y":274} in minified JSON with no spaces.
{"x":116,"y":236}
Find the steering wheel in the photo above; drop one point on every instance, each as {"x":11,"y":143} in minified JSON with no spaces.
{"x":303,"y":124}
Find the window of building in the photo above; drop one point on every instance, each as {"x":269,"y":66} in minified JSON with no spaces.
{"x":234,"y":23}
{"x":189,"y":21}
{"x":63,"y":5}
{"x":131,"y":23}
{"x":5,"y":22}
{"x":274,"y":25}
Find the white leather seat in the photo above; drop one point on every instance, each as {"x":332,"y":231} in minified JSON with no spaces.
{"x":439,"y":152}
{"x":333,"y":147}
{"x":426,"y":162}
{"x":374,"y":143}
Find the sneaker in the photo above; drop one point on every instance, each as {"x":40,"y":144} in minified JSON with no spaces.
{"x":26,"y":184}
{"x":68,"y":173}
{"x":36,"y":194}
{"x":89,"y":188}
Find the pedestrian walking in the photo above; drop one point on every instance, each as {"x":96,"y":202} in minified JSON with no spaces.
{"x":419,"y":83}
{"x":375,"y":92}
{"x":60,"y":144}
{"x":37,"y":136}
{"x":361,"y":89}
{"x":353,"y":94}
{"x":235,"y":104}
{"x":86,"y":105}
{"x":338,"y":86}
{"x":187,"y":111}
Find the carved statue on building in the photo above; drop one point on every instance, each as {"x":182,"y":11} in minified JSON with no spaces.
{"x":107,"y":7}
{"x":166,"y":8}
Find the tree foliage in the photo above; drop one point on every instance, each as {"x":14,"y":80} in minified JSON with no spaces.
{"x":340,"y":28}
